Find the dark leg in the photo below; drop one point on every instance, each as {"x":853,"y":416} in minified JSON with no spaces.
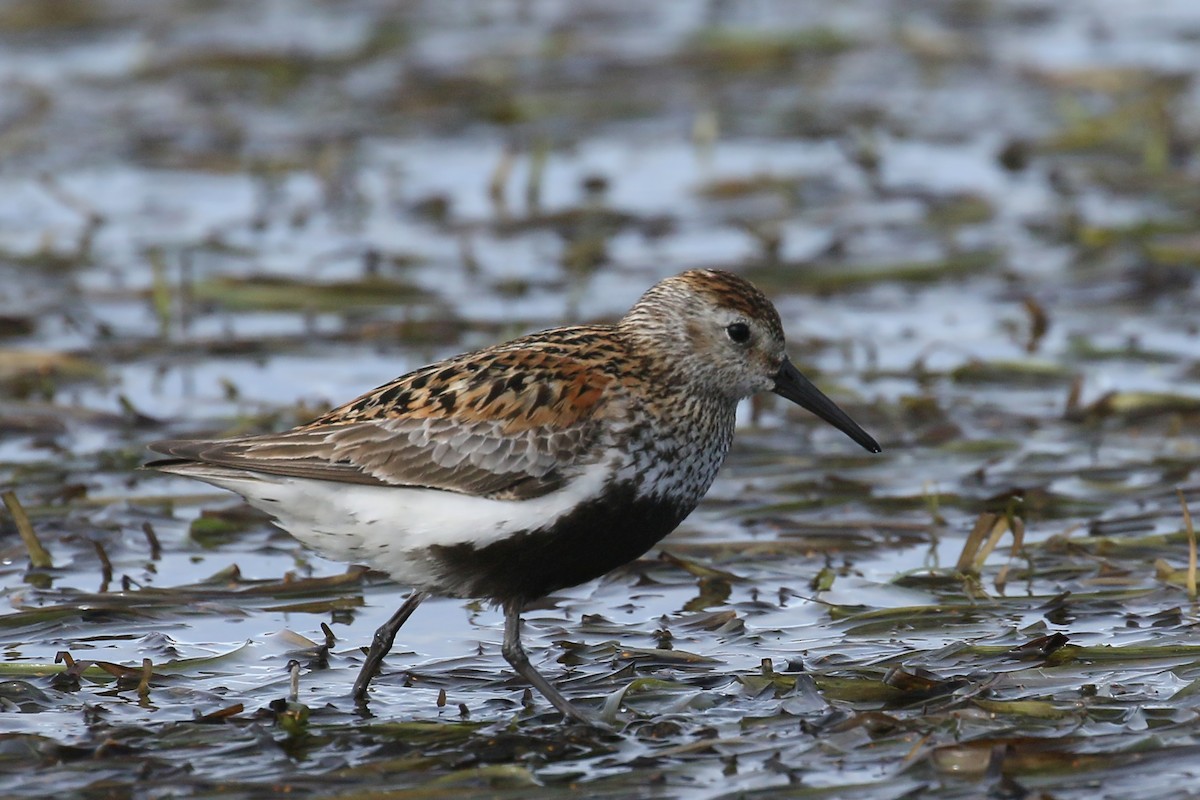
{"x":382,"y":642}
{"x":514,"y":654}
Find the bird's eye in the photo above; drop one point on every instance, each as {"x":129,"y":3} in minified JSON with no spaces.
{"x":738,"y":332}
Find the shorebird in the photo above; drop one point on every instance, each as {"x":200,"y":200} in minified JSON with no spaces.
{"x":526,"y":467}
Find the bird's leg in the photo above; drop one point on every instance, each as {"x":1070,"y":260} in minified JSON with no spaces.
{"x":514,"y":654}
{"x":382,"y":642}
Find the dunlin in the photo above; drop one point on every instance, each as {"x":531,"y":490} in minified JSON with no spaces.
{"x":527,"y":467}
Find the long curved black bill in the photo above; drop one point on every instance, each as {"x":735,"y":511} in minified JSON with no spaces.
{"x":791,"y":384}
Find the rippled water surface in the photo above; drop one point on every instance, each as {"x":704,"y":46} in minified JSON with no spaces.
{"x":979,"y":221}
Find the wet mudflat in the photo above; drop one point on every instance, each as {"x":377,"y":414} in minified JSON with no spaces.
{"x":979,"y":221}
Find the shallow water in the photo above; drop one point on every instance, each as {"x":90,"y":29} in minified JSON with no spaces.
{"x":978,"y":221}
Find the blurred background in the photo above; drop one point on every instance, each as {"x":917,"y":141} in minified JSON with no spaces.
{"x":979,"y":221}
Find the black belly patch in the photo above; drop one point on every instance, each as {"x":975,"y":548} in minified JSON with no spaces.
{"x":590,"y":541}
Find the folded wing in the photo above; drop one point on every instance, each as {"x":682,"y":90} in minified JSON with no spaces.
{"x":502,"y":424}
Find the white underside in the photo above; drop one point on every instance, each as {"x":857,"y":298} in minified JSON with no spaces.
{"x":389,"y":528}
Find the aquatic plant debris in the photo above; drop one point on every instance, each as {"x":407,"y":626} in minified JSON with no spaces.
{"x":978,"y":222}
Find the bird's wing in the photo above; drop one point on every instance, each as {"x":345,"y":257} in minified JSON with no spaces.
{"x":511,"y":424}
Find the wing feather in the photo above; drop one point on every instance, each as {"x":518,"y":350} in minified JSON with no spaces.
{"x":465,"y":425}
